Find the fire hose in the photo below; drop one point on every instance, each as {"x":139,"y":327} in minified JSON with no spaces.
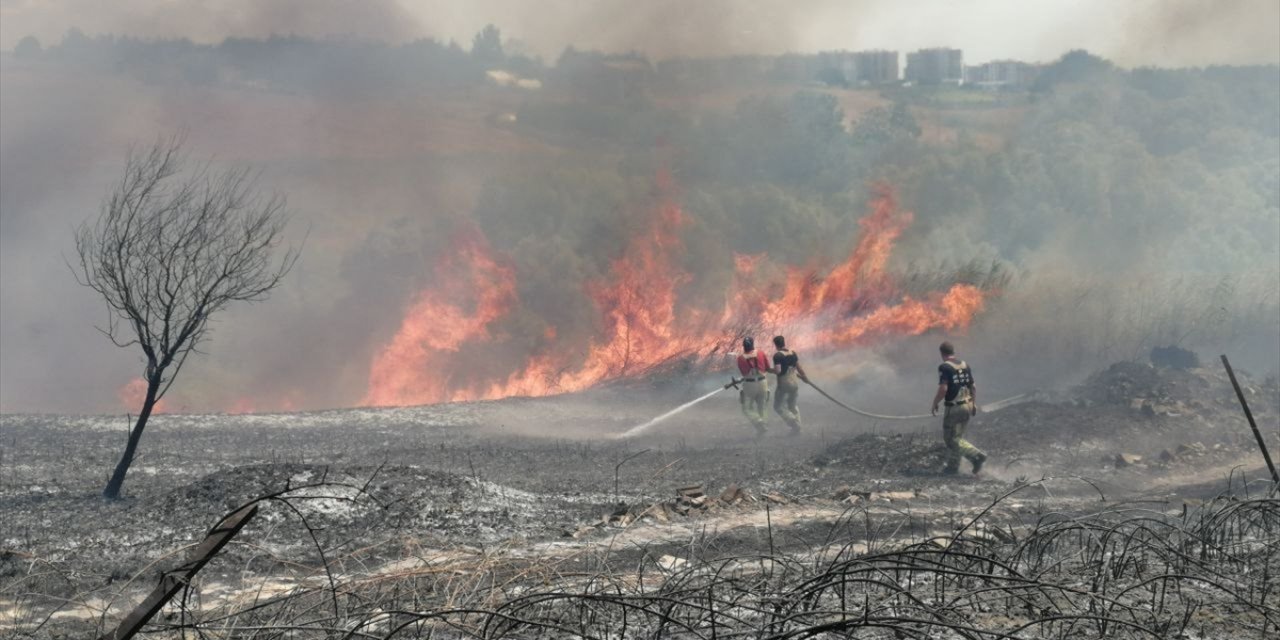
{"x":1000,"y":404}
{"x":734,"y":382}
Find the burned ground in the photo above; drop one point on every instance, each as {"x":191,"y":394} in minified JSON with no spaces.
{"x":484,"y":506}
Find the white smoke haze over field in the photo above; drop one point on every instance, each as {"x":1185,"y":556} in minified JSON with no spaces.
{"x":382,"y":175}
{"x":1142,"y":32}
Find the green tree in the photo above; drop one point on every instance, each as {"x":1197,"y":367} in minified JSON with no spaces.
{"x":901,"y":119}
{"x":1074,"y":66}
{"x":486,"y":47}
{"x":28,"y":47}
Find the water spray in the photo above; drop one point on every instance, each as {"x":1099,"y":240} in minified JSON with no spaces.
{"x":641,"y":428}
{"x":733,"y":383}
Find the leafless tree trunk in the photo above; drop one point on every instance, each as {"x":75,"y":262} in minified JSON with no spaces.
{"x":173,"y":245}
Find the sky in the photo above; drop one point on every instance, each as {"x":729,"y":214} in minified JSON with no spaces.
{"x":1131,"y":32}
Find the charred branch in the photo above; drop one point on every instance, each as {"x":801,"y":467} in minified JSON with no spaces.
{"x":171,"y":247}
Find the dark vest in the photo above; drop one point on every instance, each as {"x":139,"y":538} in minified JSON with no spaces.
{"x":958,"y":378}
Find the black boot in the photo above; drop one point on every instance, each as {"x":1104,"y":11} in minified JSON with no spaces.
{"x":977,"y":463}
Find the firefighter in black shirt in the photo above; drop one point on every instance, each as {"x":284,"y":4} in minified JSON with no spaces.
{"x":787,"y":366}
{"x":956,"y":389}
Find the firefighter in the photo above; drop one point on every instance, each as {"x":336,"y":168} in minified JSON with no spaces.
{"x":754,"y":395}
{"x":787,"y":367}
{"x":956,"y":389}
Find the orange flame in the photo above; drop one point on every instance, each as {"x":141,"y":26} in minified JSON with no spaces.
{"x":637,"y":304}
{"x":414,"y":367}
{"x":642,"y":324}
{"x":243,"y":405}
{"x":805,"y":294}
{"x":134,"y":393}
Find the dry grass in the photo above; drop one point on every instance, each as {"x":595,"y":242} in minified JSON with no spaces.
{"x":1069,"y":323}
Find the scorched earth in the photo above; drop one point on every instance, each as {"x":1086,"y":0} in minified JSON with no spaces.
{"x":1134,"y":505}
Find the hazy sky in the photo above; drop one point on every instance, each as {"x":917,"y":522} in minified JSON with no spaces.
{"x":1130,"y":32}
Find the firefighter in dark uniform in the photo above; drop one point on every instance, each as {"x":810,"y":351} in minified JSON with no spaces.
{"x":956,"y":389}
{"x":787,"y":365}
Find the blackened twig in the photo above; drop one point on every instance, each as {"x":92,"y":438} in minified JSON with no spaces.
{"x":1252,"y":425}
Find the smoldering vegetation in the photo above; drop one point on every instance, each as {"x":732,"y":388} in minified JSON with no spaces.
{"x":1105,"y":210}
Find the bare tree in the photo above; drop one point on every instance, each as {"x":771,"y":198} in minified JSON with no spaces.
{"x":173,"y":245}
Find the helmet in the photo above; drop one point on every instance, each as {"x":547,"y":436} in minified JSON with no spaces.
{"x":748,"y":343}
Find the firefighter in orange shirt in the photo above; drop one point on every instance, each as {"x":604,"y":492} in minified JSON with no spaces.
{"x":754,"y":396}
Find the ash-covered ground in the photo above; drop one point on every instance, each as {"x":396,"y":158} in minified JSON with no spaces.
{"x":412,"y":510}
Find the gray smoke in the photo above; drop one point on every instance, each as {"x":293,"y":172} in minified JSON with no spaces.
{"x":1144,"y":32}
{"x":380,"y":182}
